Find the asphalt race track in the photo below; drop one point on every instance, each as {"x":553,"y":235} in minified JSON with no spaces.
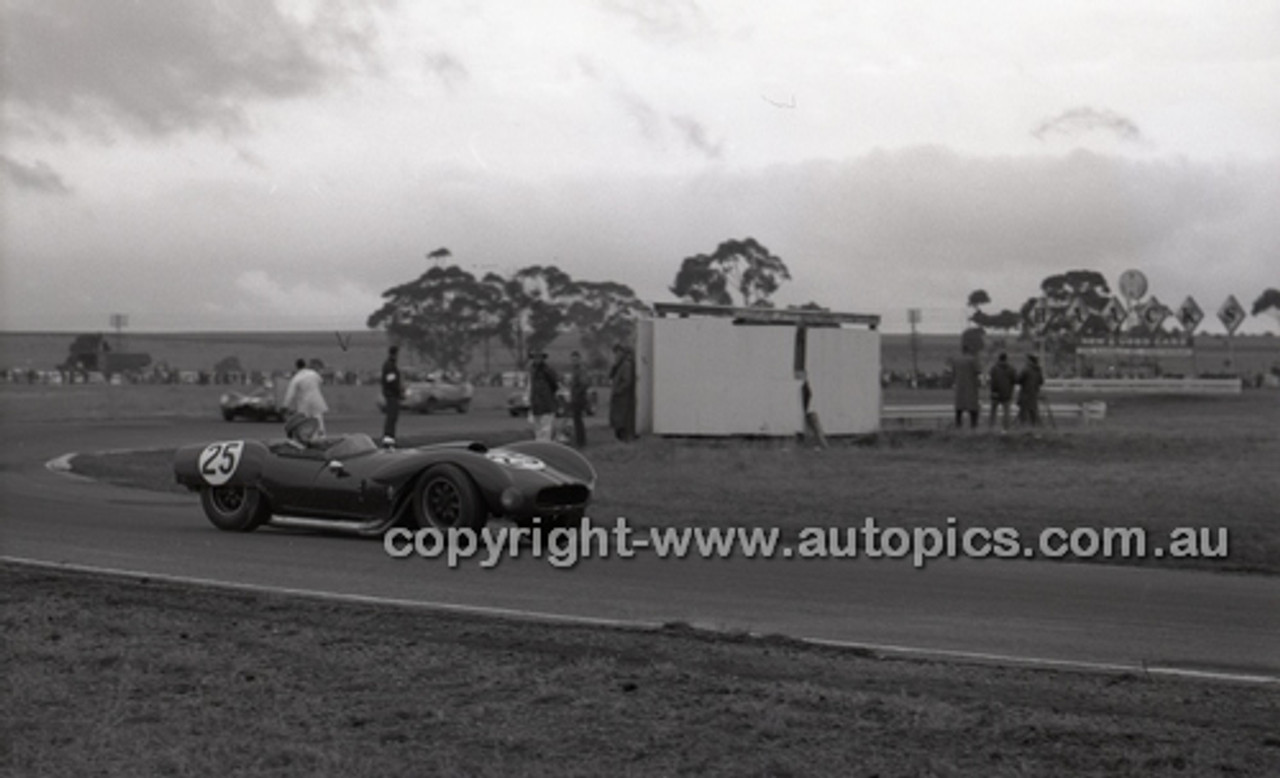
{"x":1100,"y":616}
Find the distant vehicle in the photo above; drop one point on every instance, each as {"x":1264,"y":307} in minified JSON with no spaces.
{"x":436,"y":393}
{"x":258,"y":405}
{"x":518,"y":402}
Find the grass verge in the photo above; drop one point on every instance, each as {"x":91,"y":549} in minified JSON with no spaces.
{"x":136,"y":677}
{"x":1156,"y":463}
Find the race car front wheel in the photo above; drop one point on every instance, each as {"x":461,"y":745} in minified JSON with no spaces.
{"x":446,"y":497}
{"x":234,"y":508}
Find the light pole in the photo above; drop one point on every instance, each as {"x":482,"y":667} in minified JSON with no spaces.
{"x":118,"y":322}
{"x":913,"y":317}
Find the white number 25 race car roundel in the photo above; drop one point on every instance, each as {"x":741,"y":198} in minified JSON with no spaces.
{"x":218,"y":462}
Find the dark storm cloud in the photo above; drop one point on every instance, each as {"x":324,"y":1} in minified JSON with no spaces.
{"x":37,"y":176}
{"x":157,"y":67}
{"x":1081,"y":120}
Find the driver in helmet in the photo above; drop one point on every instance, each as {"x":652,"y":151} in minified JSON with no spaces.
{"x":304,"y":431}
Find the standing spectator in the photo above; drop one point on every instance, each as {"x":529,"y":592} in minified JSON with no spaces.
{"x":543,"y":384}
{"x":1003,"y":380}
{"x":1029,"y":382}
{"x":622,"y":401}
{"x":392,"y":391}
{"x":579,"y":386}
{"x":303,"y":395}
{"x":967,"y":376}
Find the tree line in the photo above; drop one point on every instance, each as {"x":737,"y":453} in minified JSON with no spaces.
{"x":1090,"y":288}
{"x":447,"y":311}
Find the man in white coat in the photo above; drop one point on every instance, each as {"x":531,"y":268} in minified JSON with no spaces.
{"x":303,"y":395}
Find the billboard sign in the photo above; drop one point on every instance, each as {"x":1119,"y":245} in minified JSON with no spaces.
{"x":1231,"y":314}
{"x":1114,"y":314}
{"x":1077,"y":314}
{"x":1154,"y":314}
{"x":1133,"y":284}
{"x":1190,"y":315}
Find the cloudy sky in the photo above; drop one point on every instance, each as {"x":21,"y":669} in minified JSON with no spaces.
{"x":241,"y":165}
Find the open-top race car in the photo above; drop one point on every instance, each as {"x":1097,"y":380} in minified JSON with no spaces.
{"x":260,"y":405}
{"x":518,"y":402}
{"x":437,"y":393}
{"x":347,"y":483}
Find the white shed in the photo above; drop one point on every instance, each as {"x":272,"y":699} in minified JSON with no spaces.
{"x":719,"y":370}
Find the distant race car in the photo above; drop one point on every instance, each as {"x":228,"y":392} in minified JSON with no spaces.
{"x":349,"y":484}
{"x":258,"y":405}
{"x":518,"y":402}
{"x":435,"y":394}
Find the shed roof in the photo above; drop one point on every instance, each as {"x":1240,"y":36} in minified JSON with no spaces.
{"x":760,"y":315}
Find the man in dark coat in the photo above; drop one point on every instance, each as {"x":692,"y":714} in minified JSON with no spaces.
{"x":622,"y":400}
{"x":967,"y":376}
{"x":1003,"y":380}
{"x":543,"y":384}
{"x":392,"y":390}
{"x":1029,"y":382}
{"x":579,"y":386}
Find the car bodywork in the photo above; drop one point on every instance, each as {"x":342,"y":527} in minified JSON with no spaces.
{"x":434,"y":394}
{"x":350,"y":484}
{"x":518,"y":402}
{"x":259,"y":405}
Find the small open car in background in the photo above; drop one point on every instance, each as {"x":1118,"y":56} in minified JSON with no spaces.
{"x":518,"y":402}
{"x":438,"y":392}
{"x":261,"y":404}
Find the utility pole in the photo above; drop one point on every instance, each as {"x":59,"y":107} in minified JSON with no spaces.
{"x":118,"y":322}
{"x":913,"y":316}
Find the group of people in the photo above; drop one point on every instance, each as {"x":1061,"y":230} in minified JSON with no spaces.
{"x":544,"y":385}
{"x":1005,"y":383}
{"x":305,"y":401}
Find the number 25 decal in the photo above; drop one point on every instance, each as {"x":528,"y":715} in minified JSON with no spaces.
{"x":218,"y":462}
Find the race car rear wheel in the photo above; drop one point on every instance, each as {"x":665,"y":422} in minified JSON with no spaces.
{"x":234,"y":508}
{"x":446,"y":497}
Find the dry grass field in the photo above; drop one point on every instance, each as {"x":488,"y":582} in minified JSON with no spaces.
{"x":1156,"y":463}
{"x":142,"y":678}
